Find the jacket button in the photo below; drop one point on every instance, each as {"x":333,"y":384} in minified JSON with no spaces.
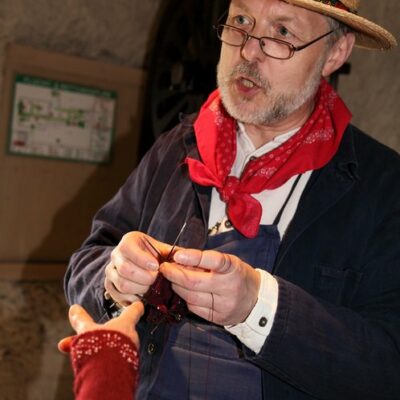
{"x":262,"y":322}
{"x":151,"y":348}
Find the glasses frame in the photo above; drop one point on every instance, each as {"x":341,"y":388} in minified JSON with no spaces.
{"x":247,"y":36}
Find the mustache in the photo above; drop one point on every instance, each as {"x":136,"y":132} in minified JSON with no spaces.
{"x":249,"y":70}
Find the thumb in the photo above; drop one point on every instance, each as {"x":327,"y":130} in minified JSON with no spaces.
{"x":64,"y":345}
{"x":80,"y":320}
{"x":133,"y":312}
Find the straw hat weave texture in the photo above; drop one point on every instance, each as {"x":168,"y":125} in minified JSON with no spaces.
{"x":368,"y":34}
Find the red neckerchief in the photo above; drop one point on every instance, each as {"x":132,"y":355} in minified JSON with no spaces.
{"x":312,"y":147}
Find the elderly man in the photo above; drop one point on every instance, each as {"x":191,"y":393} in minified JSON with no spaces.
{"x":285,"y":282}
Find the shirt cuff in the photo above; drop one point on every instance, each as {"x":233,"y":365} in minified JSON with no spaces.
{"x":256,"y":328}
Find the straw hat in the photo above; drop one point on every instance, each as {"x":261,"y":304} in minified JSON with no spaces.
{"x":368,"y":34}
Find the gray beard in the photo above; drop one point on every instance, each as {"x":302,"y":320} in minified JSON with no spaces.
{"x":279,"y":105}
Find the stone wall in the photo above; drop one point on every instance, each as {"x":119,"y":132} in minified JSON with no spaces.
{"x":116,"y":32}
{"x":33,"y":319}
{"x":33,"y":311}
{"x":372,"y":90}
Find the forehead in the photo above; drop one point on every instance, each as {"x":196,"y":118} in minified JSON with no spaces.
{"x":277,"y":10}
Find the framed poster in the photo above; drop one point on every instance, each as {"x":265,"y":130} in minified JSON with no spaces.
{"x":56,"y":119}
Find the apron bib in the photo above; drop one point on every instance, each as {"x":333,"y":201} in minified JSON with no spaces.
{"x":201,"y":360}
{"x":204,"y":361}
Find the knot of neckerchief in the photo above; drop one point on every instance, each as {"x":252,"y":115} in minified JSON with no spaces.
{"x":312,"y":147}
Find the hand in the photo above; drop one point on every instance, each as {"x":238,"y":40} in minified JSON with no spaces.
{"x":216,"y":286}
{"x":133,"y":268}
{"x":82,"y":322}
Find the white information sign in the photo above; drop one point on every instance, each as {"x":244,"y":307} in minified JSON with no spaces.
{"x":61,"y":120}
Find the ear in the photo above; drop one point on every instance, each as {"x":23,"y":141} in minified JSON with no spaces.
{"x":338,"y":54}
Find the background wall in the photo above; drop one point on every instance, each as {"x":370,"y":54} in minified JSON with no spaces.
{"x":116,"y":32}
{"x":32,"y":306}
{"x":45,"y":205}
{"x":372,"y":90}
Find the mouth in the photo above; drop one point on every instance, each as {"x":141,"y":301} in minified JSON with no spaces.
{"x":246,"y":85}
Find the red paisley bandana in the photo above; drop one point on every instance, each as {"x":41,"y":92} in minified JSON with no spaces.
{"x":312,"y":147}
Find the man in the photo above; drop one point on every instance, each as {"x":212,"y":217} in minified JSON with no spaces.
{"x":287,"y":219}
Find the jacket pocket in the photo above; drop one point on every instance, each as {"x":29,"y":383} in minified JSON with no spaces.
{"x":336,"y":285}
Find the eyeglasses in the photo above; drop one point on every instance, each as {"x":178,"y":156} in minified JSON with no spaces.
{"x":271,"y":47}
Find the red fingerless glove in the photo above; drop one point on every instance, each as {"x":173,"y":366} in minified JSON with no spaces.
{"x":105,"y":365}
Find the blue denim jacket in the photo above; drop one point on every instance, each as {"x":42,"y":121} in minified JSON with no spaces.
{"x":336,"y":334}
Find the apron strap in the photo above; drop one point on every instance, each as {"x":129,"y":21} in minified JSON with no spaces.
{"x":279,"y":215}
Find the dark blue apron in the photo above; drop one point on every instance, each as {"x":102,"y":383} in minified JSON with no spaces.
{"x":202,"y":360}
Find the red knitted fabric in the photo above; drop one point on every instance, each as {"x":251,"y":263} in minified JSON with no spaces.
{"x":105,"y":365}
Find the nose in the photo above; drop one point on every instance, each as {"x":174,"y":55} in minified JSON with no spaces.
{"x":251,"y":50}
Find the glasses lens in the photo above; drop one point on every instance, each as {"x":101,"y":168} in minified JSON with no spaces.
{"x":230,"y":35}
{"x":275,"y":48}
{"x":271,"y":47}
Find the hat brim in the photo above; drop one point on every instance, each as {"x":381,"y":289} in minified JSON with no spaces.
{"x":368,"y":34}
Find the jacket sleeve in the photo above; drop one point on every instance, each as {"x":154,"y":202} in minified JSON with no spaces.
{"x":125,"y":212}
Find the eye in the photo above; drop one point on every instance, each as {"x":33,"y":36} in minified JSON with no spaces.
{"x":241,"y":21}
{"x":284,"y":32}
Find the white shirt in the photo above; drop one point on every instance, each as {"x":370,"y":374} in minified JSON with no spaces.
{"x":256,"y":328}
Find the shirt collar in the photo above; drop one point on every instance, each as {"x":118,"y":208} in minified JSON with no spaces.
{"x":246,"y":146}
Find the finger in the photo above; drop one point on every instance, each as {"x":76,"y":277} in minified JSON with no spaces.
{"x":64,"y":345}
{"x":208,"y":259}
{"x":124,"y":290}
{"x":80,"y":320}
{"x":207,"y":314}
{"x":129,"y":270}
{"x":190,"y":278}
{"x":139,"y":249}
{"x":195,"y":298}
{"x":133,"y":312}
{"x":126,"y":278}
{"x":195,"y":279}
{"x":124,"y":299}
